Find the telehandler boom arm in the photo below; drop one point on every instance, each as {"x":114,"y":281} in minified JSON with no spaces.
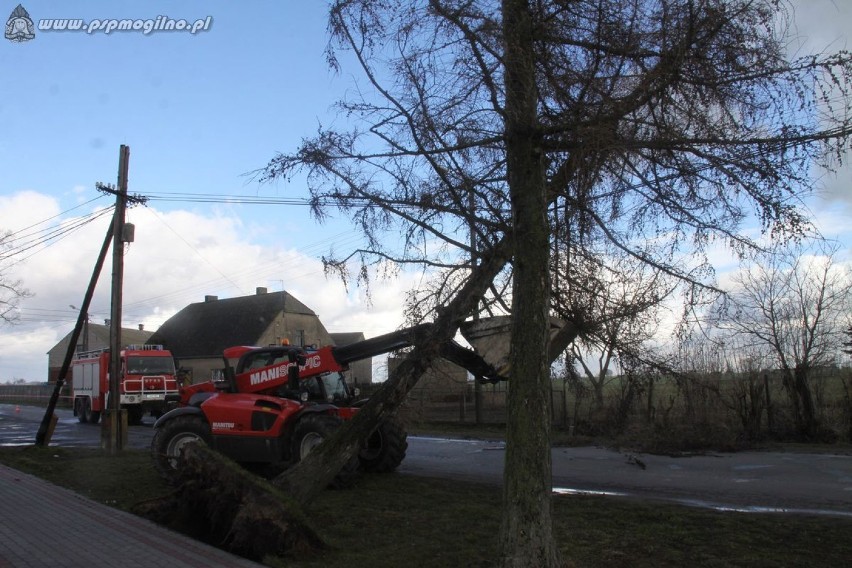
{"x":264,"y":369}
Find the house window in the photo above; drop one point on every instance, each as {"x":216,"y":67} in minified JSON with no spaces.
{"x":299,"y":338}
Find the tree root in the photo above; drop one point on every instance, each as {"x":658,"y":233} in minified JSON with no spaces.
{"x":233,"y":509}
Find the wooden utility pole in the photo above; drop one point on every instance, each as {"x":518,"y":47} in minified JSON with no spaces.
{"x":117,"y":423}
{"x":114,"y":425}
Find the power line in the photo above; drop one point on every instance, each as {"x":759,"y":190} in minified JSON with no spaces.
{"x":47,"y":237}
{"x":222,"y":198}
{"x":55,"y":216}
{"x":182,"y":197}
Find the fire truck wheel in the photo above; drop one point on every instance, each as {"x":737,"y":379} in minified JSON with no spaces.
{"x":134,"y":416}
{"x":170,"y":439}
{"x":94,"y":416}
{"x":309,"y":432}
{"x":80,"y":410}
{"x":385,"y":448}
{"x":85,"y":411}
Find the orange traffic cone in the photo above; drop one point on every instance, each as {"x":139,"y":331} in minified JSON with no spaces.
{"x":17,"y":409}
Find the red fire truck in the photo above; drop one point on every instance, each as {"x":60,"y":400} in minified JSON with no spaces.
{"x":147,"y":377}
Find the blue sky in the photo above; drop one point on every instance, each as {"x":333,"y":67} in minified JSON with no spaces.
{"x":198,"y":112}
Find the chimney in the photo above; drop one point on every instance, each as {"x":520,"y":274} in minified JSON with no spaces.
{"x":260,"y":290}
{"x":211,"y":298}
{"x":141,"y":327}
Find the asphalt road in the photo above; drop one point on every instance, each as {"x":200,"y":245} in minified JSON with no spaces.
{"x":745,"y":481}
{"x":771,"y":482}
{"x":19,"y":425}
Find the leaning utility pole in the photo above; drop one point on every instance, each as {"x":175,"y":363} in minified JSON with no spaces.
{"x":45,"y":430}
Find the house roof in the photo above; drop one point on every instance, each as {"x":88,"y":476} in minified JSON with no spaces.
{"x":99,"y":337}
{"x":347,"y":337}
{"x":202,"y":328}
{"x":129,"y":336}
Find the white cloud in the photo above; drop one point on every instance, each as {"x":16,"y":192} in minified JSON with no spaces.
{"x":177,"y":258}
{"x":26,"y":208}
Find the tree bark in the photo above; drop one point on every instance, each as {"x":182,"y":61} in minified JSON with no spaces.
{"x":526,"y":530}
{"x":805,"y":409}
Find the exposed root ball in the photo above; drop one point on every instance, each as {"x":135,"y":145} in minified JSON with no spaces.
{"x":237,"y":510}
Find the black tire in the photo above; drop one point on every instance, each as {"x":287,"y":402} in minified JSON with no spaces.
{"x":309,"y":432}
{"x":170,"y":438}
{"x":134,"y":415}
{"x":94,"y":416}
{"x":385,"y":448}
{"x":79,"y":407}
{"x":86,"y":411}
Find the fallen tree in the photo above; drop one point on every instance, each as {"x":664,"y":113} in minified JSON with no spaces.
{"x":252,"y":517}
{"x":222,"y":503}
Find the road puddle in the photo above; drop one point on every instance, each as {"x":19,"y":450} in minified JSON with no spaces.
{"x":721,"y":507}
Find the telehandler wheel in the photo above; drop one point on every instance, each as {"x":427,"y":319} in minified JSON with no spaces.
{"x":170,"y":439}
{"x":309,"y":432}
{"x":385,"y":448}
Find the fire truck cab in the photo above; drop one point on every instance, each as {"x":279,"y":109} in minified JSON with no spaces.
{"x":147,"y":377}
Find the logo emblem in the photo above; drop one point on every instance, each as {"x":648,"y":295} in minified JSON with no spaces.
{"x":19,"y":26}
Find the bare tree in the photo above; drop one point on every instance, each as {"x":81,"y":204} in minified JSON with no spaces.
{"x":746,"y":391}
{"x":659,"y":126}
{"x":11,"y":291}
{"x":793,"y":303}
{"x":623,"y":297}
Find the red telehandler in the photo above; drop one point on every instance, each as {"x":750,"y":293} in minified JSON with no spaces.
{"x":277,"y":403}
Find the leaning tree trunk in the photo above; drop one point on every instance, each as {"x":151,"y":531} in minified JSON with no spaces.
{"x":310,"y":476}
{"x":526,"y":534}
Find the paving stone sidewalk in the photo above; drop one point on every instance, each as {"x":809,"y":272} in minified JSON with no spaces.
{"x":43,"y":525}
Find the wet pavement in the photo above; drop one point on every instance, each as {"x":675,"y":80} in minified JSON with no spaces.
{"x":19,"y":425}
{"x":765,"y":482}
